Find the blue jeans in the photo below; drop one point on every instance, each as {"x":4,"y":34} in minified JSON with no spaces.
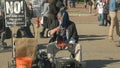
{"x":101,"y":19}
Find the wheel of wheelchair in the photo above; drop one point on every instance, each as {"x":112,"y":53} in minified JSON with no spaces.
{"x":43,"y":61}
{"x":41,"y":64}
{"x":44,"y":64}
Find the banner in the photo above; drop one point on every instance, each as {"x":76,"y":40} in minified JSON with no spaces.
{"x":15,"y":13}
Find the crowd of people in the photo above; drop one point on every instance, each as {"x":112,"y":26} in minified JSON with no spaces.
{"x":61,"y":29}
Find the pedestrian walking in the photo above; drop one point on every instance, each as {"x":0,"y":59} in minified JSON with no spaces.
{"x":113,"y":8}
{"x":66,"y":39}
{"x":26,"y":31}
{"x":106,"y":14}
{"x":85,"y":3}
{"x":100,"y":6}
{"x":90,"y":3}
{"x":44,"y":14}
{"x":71,"y":3}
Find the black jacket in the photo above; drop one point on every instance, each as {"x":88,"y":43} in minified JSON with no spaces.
{"x":72,"y":31}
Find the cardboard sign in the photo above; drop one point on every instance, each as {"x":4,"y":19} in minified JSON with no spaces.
{"x":25,"y":47}
{"x":15,"y":13}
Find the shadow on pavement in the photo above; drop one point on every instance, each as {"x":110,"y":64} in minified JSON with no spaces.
{"x":99,"y":63}
{"x":42,"y":46}
{"x":6,"y":49}
{"x":9,"y":48}
{"x":91,"y":37}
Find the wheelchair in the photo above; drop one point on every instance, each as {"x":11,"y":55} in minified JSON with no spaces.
{"x":65,"y":59}
{"x":62,"y":59}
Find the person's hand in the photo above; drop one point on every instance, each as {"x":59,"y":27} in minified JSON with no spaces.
{"x":58,"y":28}
{"x":54,"y":30}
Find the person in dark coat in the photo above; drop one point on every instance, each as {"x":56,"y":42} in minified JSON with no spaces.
{"x":26,"y":30}
{"x":59,"y":24}
{"x":63,"y":38}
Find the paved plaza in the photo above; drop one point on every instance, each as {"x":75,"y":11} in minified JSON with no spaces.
{"x":98,"y":51}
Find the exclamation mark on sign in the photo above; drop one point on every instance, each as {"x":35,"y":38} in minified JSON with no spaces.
{"x":21,"y":6}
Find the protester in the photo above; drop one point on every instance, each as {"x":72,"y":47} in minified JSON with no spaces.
{"x":64,"y":38}
{"x":44,"y":14}
{"x":26,"y":30}
{"x":65,"y":3}
{"x":113,"y":8}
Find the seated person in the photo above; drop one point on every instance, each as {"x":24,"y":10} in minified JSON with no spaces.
{"x":63,"y":38}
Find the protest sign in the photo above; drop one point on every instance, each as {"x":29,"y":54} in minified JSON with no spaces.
{"x":15,"y":13}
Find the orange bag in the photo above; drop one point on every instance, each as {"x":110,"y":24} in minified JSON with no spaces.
{"x":24,"y":62}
